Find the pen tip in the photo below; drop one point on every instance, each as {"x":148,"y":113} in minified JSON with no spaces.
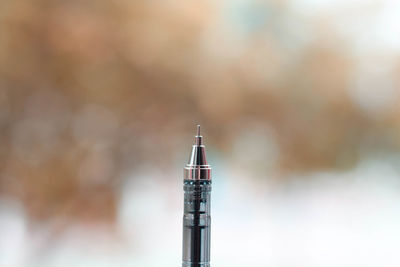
{"x":198,"y":130}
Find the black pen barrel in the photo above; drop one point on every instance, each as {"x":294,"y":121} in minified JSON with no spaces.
{"x":196,"y":223}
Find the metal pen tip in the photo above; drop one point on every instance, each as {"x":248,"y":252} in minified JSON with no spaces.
{"x":198,"y":130}
{"x":198,"y":137}
{"x":197,"y":167}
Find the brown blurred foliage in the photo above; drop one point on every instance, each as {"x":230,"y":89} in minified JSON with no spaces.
{"x":90,"y":89}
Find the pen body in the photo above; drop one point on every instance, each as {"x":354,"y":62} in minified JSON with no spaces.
{"x":196,"y":223}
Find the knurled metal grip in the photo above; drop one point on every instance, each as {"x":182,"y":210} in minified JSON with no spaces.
{"x":196,"y":223}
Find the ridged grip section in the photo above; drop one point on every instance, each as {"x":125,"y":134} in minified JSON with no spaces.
{"x":196,"y":223}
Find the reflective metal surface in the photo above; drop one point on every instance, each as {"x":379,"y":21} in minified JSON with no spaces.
{"x":197,"y":168}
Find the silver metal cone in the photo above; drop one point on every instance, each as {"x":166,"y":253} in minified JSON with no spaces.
{"x":197,"y":167}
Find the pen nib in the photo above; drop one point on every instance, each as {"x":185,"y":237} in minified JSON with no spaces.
{"x":198,"y":137}
{"x":197,"y":167}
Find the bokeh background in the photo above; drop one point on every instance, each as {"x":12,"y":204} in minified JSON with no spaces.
{"x":299,"y":106}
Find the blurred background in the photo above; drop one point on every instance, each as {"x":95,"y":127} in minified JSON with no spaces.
{"x":299,"y":106}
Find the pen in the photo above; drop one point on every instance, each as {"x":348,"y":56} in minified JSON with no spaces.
{"x":196,"y":214}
